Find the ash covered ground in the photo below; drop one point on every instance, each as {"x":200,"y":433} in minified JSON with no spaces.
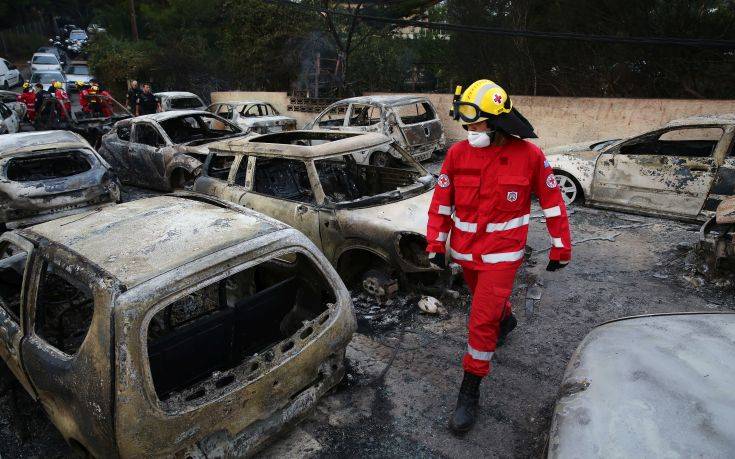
{"x":404,"y":366}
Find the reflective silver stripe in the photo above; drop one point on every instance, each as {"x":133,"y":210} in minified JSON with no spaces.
{"x":442,"y":237}
{"x":481,"y":93}
{"x":446,"y":210}
{"x":460,"y":256}
{"x":557,"y":242}
{"x":479,"y":355}
{"x":467,"y":227}
{"x":501,"y":257}
{"x":510,"y":224}
{"x":552,"y":212}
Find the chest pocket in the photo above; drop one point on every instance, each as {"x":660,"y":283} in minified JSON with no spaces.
{"x":512,"y":193}
{"x":466,"y":191}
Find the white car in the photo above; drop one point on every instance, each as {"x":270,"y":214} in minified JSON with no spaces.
{"x":77,"y":71}
{"x":254,"y":116}
{"x":9,"y":74}
{"x":45,"y":78}
{"x":44,"y":62}
{"x":9,"y":121}
{"x":179,"y":100}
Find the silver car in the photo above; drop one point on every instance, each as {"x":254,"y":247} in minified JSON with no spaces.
{"x":254,"y":116}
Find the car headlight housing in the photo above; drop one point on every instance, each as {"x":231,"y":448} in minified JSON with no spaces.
{"x":411,"y":248}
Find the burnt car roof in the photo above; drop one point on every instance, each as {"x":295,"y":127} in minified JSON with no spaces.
{"x":659,"y":385}
{"x":277,"y":144}
{"x":39,"y":140}
{"x":722,"y":119}
{"x":163,"y":116}
{"x":385,"y":100}
{"x":139,"y":240}
{"x":175,"y":94}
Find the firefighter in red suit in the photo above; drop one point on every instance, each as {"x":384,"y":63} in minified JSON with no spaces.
{"x":61,"y":96}
{"x":482,"y":205}
{"x":28,"y":97}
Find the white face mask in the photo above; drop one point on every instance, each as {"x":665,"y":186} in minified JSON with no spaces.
{"x":478,"y":139}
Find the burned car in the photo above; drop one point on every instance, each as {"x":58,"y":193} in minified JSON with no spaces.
{"x":369,"y":221}
{"x":682,"y":170}
{"x":47,"y":175}
{"x":179,"y":100}
{"x":55,"y":114}
{"x":173,"y":326}
{"x":254,"y":116}
{"x":410,"y":120}
{"x":649,"y":386}
{"x":163,"y":151}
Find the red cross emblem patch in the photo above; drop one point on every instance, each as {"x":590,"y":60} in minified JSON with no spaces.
{"x":512,"y":196}
{"x":443,"y":181}
{"x":498,"y":98}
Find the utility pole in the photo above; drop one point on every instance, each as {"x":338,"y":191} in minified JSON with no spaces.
{"x":133,"y":22}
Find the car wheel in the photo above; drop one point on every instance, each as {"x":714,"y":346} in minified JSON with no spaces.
{"x":380,"y":159}
{"x":570,"y":189}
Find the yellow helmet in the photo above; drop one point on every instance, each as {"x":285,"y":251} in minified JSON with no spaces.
{"x":486,"y":100}
{"x":481,"y":101}
{"x":26,"y":85}
{"x":94,"y":88}
{"x":57,"y":84}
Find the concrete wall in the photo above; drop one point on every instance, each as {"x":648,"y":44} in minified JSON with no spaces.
{"x":558,"y":120}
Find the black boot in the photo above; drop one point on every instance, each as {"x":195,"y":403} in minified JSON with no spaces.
{"x":466,"y":411}
{"x":506,"y":326}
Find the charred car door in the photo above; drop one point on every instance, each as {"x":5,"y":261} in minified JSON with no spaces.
{"x":334,"y":118}
{"x":418,"y":124}
{"x":281,"y":188}
{"x":665,"y":172}
{"x":14,"y":260}
{"x":144,"y":158}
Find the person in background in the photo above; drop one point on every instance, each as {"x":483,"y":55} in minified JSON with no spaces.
{"x":147,"y":102}
{"x":131,"y":98}
{"x":61,"y":95}
{"x":28,"y":98}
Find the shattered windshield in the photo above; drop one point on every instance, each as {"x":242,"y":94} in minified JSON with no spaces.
{"x":349,"y":184}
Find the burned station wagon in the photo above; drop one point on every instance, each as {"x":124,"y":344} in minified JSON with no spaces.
{"x":682,"y":170}
{"x":163,"y":151}
{"x":46,"y":175}
{"x":171,"y":326}
{"x":369,"y":221}
{"x":410,"y":120}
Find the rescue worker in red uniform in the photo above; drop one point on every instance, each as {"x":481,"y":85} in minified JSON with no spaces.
{"x":483,"y":201}
{"x":61,"y":96}
{"x":28,"y":97}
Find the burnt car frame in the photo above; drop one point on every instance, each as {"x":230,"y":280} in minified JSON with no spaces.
{"x":204,"y":330}
{"x":163,"y":151}
{"x":46,"y":175}
{"x":681,"y":171}
{"x":369,"y":221}
{"x":658,"y":385}
{"x":411,"y":121}
{"x":253,"y":116}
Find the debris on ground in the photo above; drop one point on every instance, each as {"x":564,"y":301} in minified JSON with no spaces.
{"x":431,"y":305}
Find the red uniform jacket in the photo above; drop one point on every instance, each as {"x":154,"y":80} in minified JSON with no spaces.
{"x":483,"y":196}
{"x":29,"y":99}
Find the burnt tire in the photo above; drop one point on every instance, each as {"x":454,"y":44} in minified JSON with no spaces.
{"x":570,"y":188}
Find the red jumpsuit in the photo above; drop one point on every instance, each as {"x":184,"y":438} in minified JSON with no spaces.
{"x":483,"y":197}
{"x":63,"y":98}
{"x":29,"y":99}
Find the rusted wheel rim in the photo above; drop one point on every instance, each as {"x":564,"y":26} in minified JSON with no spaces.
{"x":568,"y":188}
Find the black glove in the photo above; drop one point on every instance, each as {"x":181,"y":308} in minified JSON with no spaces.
{"x":555,"y":265}
{"x":438,"y":260}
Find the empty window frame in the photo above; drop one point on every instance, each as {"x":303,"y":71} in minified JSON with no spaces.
{"x":12,"y":266}
{"x":48,"y":166}
{"x":364,"y":115}
{"x":334,"y":117}
{"x":64,"y":310}
{"x":219,"y":166}
{"x":199,"y":345}
{"x":415,"y":113}
{"x":148,"y":135}
{"x":684,"y":142}
{"x":283,"y":178}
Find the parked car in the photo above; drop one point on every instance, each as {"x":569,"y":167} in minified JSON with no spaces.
{"x":46,"y":77}
{"x":44,"y":62}
{"x":410,"y":120}
{"x":56,"y":51}
{"x":369,"y":221}
{"x":46,"y":175}
{"x":9,"y":74}
{"x":77,"y":71}
{"x":78,"y":36}
{"x":9,"y":120}
{"x":171,"y":326}
{"x":649,"y":386}
{"x":682,"y":170}
{"x":254,"y":117}
{"x":179,"y":100}
{"x":163,"y":151}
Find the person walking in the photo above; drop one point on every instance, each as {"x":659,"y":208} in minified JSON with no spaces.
{"x":482,"y":199}
{"x":147,"y":102}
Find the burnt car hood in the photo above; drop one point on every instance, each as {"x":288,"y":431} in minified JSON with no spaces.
{"x":650,"y":386}
{"x":408,"y":215}
{"x":267,"y":121}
